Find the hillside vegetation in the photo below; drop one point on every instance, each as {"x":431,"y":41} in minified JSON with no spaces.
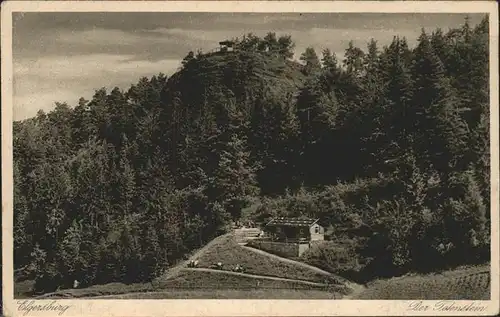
{"x":230,"y":254}
{"x":266,"y":294}
{"x":389,"y":149}
{"x":266,"y":275}
{"x":460,"y":284}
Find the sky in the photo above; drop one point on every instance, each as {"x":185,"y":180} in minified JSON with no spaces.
{"x":62,"y":56}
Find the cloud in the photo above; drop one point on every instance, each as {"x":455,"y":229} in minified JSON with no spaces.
{"x":133,"y":21}
{"x":27,"y":105}
{"x":148,"y":45}
{"x":211,"y":38}
{"x":39,"y":83}
{"x":339,"y":38}
{"x":76,"y":63}
{"x":256,"y":19}
{"x":319,"y":38}
{"x":63,"y":56}
{"x":99,"y":37}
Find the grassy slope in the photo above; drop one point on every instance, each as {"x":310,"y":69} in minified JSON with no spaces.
{"x":199,"y":283}
{"x":202,"y":279}
{"x":100,"y":290}
{"x":24,"y":289}
{"x":193,"y":283}
{"x":462,"y":283}
{"x":230,"y":294}
{"x":174,"y":271}
{"x":459,"y":284}
{"x":229,"y":253}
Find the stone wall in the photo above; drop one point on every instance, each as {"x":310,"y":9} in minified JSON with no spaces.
{"x":303,"y":247}
{"x":280,"y":248}
{"x":242,"y":235}
{"x":317,"y":236}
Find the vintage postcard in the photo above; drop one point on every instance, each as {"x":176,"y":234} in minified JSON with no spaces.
{"x":185,"y":158}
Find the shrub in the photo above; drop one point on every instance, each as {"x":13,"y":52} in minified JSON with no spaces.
{"x":339,"y":257}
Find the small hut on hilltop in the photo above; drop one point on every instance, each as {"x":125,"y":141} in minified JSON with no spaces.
{"x":226,"y":46}
{"x":294,"y":229}
{"x":289,"y":237}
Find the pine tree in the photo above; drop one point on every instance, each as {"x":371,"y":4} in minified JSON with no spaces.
{"x":480,"y":148}
{"x":396,"y":118}
{"x":81,"y":121}
{"x":286,"y":46}
{"x":440,"y":45}
{"x":354,"y":60}
{"x":23,"y":233}
{"x":442,"y":133}
{"x":151,"y":252}
{"x":311,"y":60}
{"x":69,"y":252}
{"x":329,"y":60}
{"x":274,"y":127}
{"x":234,"y":181}
{"x":189,"y":57}
{"x":127,"y":180}
{"x":371,"y":59}
{"x":465,"y":217}
{"x":271,"y":42}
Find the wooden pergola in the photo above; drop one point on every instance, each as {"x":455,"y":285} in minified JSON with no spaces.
{"x":225,"y":45}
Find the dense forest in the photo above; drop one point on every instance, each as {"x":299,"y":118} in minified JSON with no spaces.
{"x":388,"y":147}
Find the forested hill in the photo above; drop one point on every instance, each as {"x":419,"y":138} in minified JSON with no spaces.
{"x":121,"y":187}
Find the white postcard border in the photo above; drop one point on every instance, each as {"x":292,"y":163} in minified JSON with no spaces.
{"x":89,"y":307}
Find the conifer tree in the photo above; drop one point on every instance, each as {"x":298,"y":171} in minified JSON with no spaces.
{"x":329,"y":60}
{"x":311,"y":60}
{"x":271,"y":41}
{"x":234,"y":180}
{"x":126,"y":180}
{"x":23,"y":232}
{"x":354,"y":60}
{"x":442,"y":133}
{"x":286,"y":46}
{"x":396,"y":117}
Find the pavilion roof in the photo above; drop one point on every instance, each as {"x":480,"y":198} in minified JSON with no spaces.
{"x":292,"y":222}
{"x":226,"y":43}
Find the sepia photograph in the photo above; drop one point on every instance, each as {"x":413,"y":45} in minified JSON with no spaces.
{"x":243,"y":155}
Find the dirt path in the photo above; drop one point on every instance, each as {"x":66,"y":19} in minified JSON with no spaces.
{"x":356,"y":288}
{"x":180,"y":269}
{"x":265,"y":277}
{"x":302,"y":264}
{"x":174,"y":271}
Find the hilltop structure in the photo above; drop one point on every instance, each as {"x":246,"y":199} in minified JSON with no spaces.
{"x":294,"y":230}
{"x":226,"y":46}
{"x":289,"y":237}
